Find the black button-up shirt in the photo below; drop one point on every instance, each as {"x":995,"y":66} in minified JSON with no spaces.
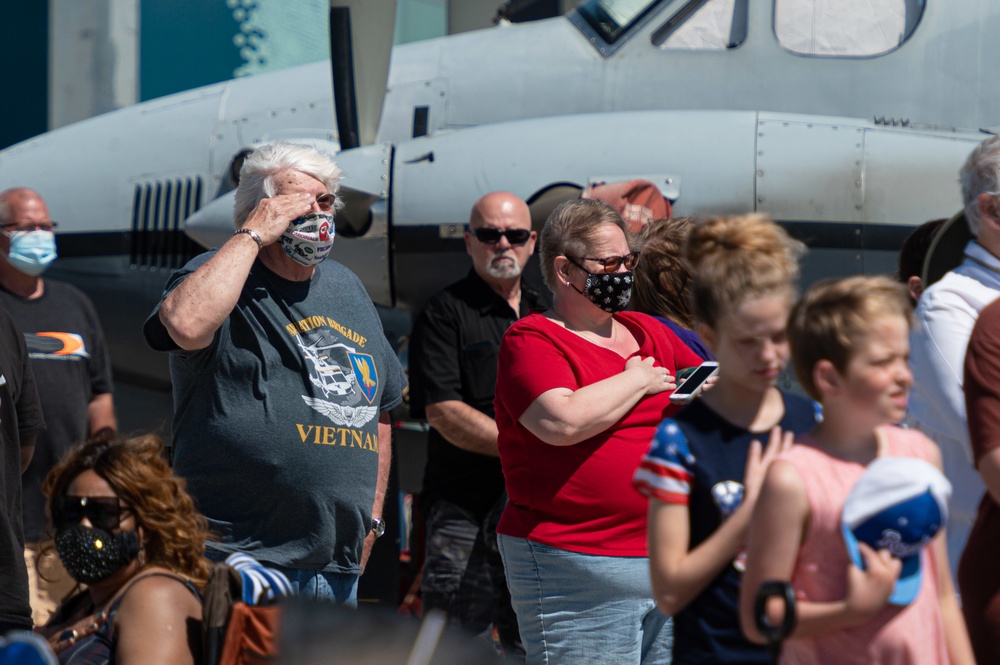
{"x":453,"y":356}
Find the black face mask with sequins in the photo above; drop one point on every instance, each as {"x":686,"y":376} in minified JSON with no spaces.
{"x":609,"y":291}
{"x":92,"y":555}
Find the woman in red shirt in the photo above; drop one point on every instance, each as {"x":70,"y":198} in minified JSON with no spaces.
{"x":581,"y":389}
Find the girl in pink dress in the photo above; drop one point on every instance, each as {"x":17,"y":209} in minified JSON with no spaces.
{"x":850,"y":346}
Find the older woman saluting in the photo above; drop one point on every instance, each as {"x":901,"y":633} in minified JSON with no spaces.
{"x":580,"y":391}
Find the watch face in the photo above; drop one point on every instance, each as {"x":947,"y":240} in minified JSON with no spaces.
{"x":378,"y":526}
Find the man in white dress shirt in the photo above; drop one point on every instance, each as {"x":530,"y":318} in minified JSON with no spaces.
{"x":945,"y":315}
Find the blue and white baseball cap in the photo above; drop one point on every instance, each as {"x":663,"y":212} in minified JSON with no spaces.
{"x":898,"y":504}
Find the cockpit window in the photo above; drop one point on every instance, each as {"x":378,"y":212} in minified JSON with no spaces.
{"x":612,"y":18}
{"x":712,"y":25}
{"x":845,"y":28}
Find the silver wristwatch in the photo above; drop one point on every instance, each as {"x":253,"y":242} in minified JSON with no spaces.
{"x":378,"y":526}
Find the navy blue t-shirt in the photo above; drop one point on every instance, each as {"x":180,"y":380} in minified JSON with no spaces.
{"x":705,"y":456}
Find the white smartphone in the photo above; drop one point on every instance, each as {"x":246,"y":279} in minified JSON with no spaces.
{"x":693,"y":384}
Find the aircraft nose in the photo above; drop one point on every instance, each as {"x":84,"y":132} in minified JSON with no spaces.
{"x":212,"y":225}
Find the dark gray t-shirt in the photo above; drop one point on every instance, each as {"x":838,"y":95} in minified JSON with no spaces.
{"x":71,"y":366}
{"x":20,"y":416}
{"x":276,"y":422}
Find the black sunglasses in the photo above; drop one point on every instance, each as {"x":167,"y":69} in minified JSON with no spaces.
{"x":104,"y":512}
{"x":610,"y":263}
{"x":492,"y":236}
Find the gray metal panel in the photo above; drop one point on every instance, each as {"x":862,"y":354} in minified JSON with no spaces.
{"x":711,"y":152}
{"x":893,"y":195}
{"x":809,"y":170}
{"x":397,"y":117}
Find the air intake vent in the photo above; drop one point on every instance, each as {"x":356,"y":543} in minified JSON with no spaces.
{"x":158,"y":213}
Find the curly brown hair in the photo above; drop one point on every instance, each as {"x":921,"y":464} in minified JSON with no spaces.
{"x":136,"y":470}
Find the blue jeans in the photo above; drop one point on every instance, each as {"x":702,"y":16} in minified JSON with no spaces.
{"x":582,"y":608}
{"x":338,"y":588}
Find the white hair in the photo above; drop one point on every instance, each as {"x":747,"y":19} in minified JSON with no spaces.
{"x":259,"y":169}
{"x":980,"y":175}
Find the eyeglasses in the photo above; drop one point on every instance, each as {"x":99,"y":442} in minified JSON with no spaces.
{"x":326,"y":202}
{"x":30,"y":226}
{"x":492,"y":236}
{"x":104,"y":512}
{"x":610,"y":263}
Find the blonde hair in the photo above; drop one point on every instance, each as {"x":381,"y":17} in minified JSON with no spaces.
{"x":835,"y":316}
{"x":736,"y":259}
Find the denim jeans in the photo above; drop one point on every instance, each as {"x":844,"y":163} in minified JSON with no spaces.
{"x":337,"y":588}
{"x":582,"y":608}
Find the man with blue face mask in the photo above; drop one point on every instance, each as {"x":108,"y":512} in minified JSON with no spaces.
{"x":283,"y":381}
{"x":72,"y":370}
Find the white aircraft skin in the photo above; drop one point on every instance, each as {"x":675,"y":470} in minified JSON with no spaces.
{"x":524,"y":108}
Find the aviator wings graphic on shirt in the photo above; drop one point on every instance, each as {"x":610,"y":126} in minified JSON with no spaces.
{"x":348,"y":379}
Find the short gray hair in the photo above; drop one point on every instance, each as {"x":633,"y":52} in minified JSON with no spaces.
{"x":259,"y":169}
{"x":980,"y":175}
{"x":570,"y":229}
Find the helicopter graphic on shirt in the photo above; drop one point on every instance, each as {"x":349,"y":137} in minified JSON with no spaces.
{"x":340,"y":380}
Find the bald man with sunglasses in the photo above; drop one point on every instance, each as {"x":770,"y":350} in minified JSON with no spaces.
{"x":453,"y":367}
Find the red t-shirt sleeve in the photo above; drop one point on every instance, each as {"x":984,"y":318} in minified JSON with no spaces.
{"x":529,"y":365}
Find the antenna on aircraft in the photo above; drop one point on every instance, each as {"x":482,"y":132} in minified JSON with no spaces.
{"x":361,"y":33}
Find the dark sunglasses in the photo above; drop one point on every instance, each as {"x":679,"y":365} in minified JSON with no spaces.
{"x":492,"y":236}
{"x":326,"y":202}
{"x":104,"y":512}
{"x":610,"y":263}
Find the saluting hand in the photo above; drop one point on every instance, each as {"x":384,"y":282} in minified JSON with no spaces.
{"x":272,"y":216}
